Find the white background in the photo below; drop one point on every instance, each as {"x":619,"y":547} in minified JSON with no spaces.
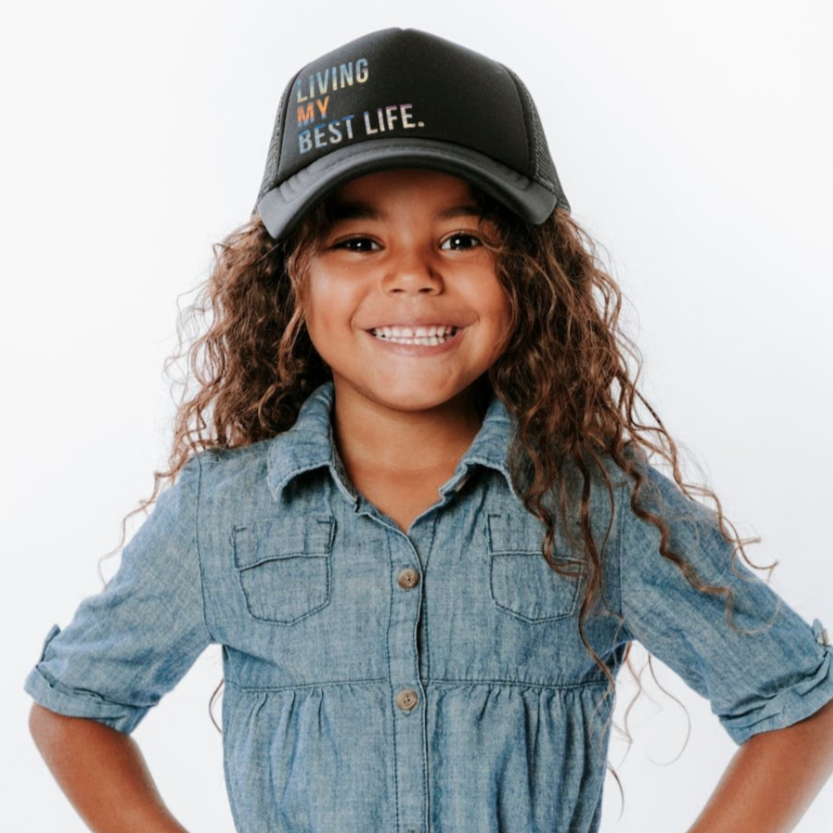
{"x":692,"y":139}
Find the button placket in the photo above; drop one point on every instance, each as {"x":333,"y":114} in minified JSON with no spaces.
{"x":409,"y":720}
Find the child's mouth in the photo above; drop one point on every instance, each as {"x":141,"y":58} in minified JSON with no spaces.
{"x":410,"y":342}
{"x":404,"y":335}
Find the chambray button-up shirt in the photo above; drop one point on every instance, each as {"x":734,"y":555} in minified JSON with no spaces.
{"x":428,"y":682}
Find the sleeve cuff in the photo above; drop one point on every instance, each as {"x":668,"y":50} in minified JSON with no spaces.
{"x":788,"y":706}
{"x":74,"y":703}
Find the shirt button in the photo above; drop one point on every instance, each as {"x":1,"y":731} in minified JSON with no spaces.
{"x":408,"y":578}
{"x":406,"y":699}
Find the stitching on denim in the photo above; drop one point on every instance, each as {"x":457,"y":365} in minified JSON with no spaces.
{"x":427,"y":682}
{"x":197,"y":542}
{"x":301,"y":686}
{"x":423,"y":606}
{"x":623,"y":507}
{"x":519,"y":683}
{"x":391,"y":696}
{"x":427,"y":653}
{"x":303,"y":553}
{"x":555,"y":588}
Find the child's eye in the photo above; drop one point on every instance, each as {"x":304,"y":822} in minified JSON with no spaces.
{"x":469,"y":241}
{"x":357,"y":244}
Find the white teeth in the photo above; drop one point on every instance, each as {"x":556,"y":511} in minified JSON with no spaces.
{"x":429,"y":341}
{"x":414,"y":332}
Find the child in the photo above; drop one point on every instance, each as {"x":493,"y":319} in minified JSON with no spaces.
{"x":413,"y":503}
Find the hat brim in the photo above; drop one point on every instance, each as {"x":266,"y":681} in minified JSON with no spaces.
{"x":282,"y":207}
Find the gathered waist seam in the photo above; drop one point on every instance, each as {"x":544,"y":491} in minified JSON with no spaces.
{"x":603,"y":683}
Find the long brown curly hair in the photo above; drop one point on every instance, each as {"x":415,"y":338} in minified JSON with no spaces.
{"x":563,"y":374}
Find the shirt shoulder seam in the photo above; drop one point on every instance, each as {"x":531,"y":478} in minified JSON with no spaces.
{"x":624,"y":508}
{"x":197,"y":545}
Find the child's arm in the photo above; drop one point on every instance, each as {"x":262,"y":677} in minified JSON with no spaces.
{"x":123,"y":650}
{"x":102,"y":773}
{"x":772,"y":779}
{"x":767,"y":672}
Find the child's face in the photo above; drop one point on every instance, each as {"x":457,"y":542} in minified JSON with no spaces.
{"x":396,"y":254}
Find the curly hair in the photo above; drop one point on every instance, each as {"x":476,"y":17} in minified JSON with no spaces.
{"x":563,"y":374}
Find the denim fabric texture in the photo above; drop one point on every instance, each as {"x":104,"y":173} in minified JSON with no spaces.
{"x":433,"y":681}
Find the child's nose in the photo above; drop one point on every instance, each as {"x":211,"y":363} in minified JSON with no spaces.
{"x":412,"y":269}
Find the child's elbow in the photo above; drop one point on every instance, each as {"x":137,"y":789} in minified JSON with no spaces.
{"x":48,"y":728}
{"x":43,"y":723}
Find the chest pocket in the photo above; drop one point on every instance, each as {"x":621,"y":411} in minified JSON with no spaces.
{"x":284,"y":569}
{"x":521,"y":583}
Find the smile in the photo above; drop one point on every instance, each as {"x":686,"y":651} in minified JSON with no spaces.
{"x":416,"y":341}
{"x":433,"y":334}
{"x":420,"y":334}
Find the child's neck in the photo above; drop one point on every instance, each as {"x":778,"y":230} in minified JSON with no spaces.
{"x":370,"y":436}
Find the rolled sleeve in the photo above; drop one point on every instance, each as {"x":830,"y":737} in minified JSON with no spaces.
{"x":779,"y":673}
{"x":130,"y":644}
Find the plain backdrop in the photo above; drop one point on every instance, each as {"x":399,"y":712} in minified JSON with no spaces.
{"x":692,"y":139}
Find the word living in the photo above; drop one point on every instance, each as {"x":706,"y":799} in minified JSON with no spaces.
{"x":320,"y":84}
{"x":342,"y":129}
{"x":318,"y":130}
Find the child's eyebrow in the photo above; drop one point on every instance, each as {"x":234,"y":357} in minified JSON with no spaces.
{"x":358,"y":210}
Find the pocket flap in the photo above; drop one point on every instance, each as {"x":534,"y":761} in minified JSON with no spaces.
{"x":265,"y":540}
{"x":512,"y":534}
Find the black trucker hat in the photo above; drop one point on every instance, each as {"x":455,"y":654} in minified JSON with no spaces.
{"x":406,"y":98}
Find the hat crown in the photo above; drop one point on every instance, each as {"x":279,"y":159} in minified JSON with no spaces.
{"x":396,"y":89}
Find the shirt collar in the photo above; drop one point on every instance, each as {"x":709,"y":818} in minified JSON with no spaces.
{"x":309,"y":445}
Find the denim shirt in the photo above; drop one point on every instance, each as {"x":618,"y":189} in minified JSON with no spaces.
{"x":428,"y":682}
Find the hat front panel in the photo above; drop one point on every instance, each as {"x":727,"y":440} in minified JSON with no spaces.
{"x":403,"y":84}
